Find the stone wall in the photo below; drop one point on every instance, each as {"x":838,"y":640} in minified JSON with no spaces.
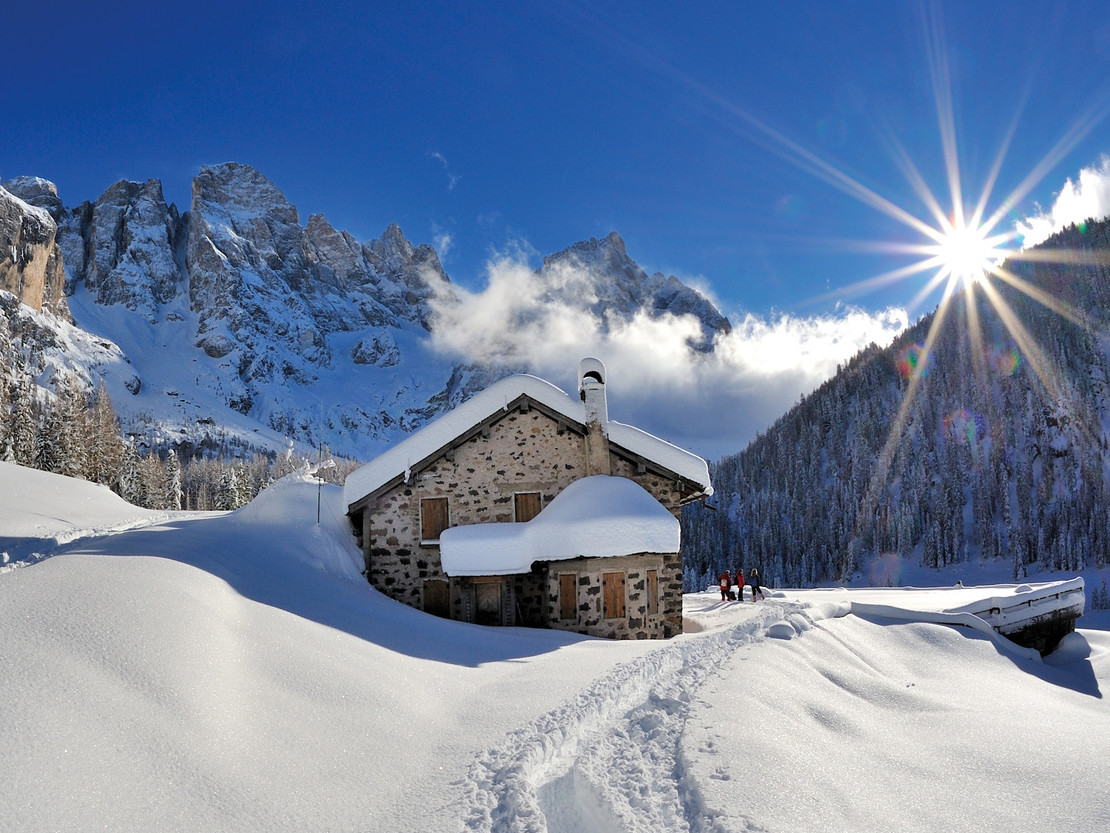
{"x":524,"y":451}
{"x":637,"y":623}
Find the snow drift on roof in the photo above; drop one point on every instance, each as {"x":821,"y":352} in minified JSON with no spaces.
{"x":596,"y":517}
{"x":441,"y":432}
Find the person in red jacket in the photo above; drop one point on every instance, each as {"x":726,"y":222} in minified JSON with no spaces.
{"x":725,"y":581}
{"x":740,"y":584}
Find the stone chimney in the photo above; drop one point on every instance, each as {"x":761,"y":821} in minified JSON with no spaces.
{"x":591,"y":387}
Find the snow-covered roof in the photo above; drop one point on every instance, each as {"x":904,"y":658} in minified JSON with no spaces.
{"x":595,"y":517}
{"x":423,"y":445}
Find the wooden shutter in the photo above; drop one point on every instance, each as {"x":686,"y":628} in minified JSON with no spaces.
{"x":568,"y":596}
{"x":652,"y":591}
{"x":433,"y":517}
{"x":613,"y":590}
{"x":526,"y":505}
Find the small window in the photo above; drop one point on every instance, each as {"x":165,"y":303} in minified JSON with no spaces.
{"x":652,"y":591}
{"x":526,"y":505}
{"x":612,"y":588}
{"x":433,"y":518}
{"x":568,"y":596}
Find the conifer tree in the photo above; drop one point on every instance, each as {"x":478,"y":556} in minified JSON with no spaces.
{"x":130,"y":480}
{"x":24,"y":439}
{"x":105,"y":450}
{"x":49,"y":453}
{"x":173,"y":491}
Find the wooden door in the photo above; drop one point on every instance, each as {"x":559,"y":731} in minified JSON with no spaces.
{"x":437,"y":598}
{"x":488,"y":601}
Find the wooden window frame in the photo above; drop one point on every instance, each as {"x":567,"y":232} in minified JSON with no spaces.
{"x":614,"y":592}
{"x":428,"y":525}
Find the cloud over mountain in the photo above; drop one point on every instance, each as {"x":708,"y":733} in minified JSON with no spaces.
{"x":1088,"y":197}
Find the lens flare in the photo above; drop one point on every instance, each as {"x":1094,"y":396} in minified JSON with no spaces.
{"x":886,"y":570}
{"x":913,"y":361}
{"x":1004,"y":361}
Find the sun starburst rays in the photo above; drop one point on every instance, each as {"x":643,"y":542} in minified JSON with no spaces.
{"x":961,"y":251}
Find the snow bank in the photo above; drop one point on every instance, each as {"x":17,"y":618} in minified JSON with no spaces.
{"x":594,"y":517}
{"x":40,"y":511}
{"x":213,"y":672}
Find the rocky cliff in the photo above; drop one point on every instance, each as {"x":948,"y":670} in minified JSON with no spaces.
{"x":30,"y":259}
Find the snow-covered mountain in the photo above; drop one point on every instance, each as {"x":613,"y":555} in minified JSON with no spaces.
{"x":237,"y":325}
{"x":980,"y":434}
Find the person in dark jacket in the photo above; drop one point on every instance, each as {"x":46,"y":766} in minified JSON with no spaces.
{"x":753,"y":580}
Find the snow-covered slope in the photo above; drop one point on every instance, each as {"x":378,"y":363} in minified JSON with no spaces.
{"x":981,"y":433}
{"x":232,"y":671}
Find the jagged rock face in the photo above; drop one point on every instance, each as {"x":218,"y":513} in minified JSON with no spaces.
{"x":387,"y":278}
{"x":130,"y":235}
{"x":380,"y":350}
{"x":618,"y":288}
{"x":248,"y":265}
{"x":258,"y":277}
{"x":30,"y":260}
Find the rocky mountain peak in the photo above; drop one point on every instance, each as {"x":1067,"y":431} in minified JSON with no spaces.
{"x":36,"y":191}
{"x":621,"y":288}
{"x":30,"y":260}
{"x":240,"y":196}
{"x":392,"y":243}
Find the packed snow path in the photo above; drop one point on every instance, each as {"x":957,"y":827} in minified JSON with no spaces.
{"x":610,"y":760}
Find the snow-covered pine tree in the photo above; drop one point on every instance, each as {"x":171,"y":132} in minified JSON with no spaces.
{"x":71,"y":422}
{"x":105,"y":451}
{"x":49,"y":450}
{"x":24,"y":438}
{"x":227,"y":492}
{"x":172,"y":490}
{"x":130,"y":480}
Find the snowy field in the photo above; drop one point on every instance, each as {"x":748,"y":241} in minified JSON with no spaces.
{"x":233,"y":671}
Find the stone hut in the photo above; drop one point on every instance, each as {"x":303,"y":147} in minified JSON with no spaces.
{"x":473,"y":517}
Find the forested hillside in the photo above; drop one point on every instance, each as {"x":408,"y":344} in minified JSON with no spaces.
{"x":981,"y":433}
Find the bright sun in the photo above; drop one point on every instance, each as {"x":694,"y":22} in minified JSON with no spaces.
{"x":966,"y":253}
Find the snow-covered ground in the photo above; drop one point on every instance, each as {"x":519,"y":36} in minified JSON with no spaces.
{"x":233,"y":671}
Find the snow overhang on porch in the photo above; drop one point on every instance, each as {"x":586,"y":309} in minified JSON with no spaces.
{"x":595,"y":517}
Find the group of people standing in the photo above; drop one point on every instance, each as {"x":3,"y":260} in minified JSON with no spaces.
{"x":727,"y":580}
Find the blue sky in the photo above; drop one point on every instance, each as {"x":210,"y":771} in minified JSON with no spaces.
{"x":493,"y":124}
{"x":720,"y":139}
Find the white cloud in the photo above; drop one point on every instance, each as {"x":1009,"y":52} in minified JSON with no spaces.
{"x":1087,"y":198}
{"x":451,"y":178}
{"x":713,"y":403}
{"x":443,"y":241}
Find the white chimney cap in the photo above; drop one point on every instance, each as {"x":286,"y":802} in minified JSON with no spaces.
{"x":590,"y":368}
